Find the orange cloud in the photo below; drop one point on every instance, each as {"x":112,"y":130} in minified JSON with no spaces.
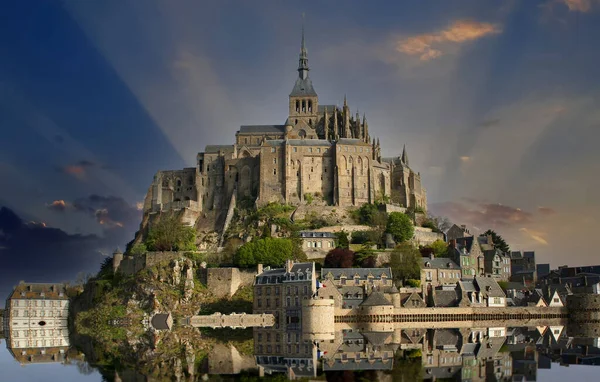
{"x":535,"y":235}
{"x":546,"y":211}
{"x":428,"y":46}
{"x":75,"y":170}
{"x":58,"y":205}
{"x":578,"y":5}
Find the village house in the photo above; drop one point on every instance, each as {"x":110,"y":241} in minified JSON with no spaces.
{"x":317,"y":244}
{"x":497,"y":264}
{"x":372,"y":277}
{"x":457,"y":232}
{"x":438,"y":271}
{"x":467,"y":253}
{"x":523,"y":268}
{"x":483,"y":292}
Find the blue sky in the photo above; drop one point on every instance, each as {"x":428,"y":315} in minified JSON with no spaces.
{"x":497,"y":103}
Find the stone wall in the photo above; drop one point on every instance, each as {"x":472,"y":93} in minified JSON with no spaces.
{"x":224,"y":282}
{"x":425,"y":236}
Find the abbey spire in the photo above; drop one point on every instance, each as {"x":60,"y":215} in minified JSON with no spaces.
{"x":303,"y":61}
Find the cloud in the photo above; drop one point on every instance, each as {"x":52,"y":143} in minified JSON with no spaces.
{"x":482,"y":214}
{"x":57,"y":205}
{"x":578,"y":5}
{"x":78,"y":169}
{"x":37,"y":253}
{"x":535,"y":235}
{"x":546,"y":211}
{"x":429,"y":46}
{"x":109,"y":211}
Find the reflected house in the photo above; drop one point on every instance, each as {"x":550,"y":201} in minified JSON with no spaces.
{"x":353,"y":350}
{"x":441,"y":354}
{"x":36,"y":324}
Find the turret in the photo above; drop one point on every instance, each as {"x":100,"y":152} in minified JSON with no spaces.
{"x":404,"y":156}
{"x":117,"y":258}
{"x":347,"y":132}
{"x":336,"y":134}
{"x":366,"y":129}
{"x":326,"y":125}
{"x":359,"y":132}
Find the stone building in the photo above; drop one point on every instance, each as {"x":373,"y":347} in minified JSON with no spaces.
{"x":36,"y":321}
{"x":321,"y":152}
{"x":317,"y":244}
{"x":370,"y":277}
{"x":437,"y":272}
{"x":457,"y":232}
{"x":497,"y":264}
{"x":280,"y":292}
{"x":466,"y":252}
{"x":523,"y":268}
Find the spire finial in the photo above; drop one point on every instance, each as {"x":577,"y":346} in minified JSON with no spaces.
{"x":345,"y":102}
{"x":303,"y":61}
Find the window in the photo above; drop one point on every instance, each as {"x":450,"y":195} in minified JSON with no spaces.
{"x":245,"y":140}
{"x":319,"y":150}
{"x":274,"y":171}
{"x":273,"y":149}
{"x":295,"y":149}
{"x":274,"y":160}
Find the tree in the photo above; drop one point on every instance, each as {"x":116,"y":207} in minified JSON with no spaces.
{"x":400,"y":226}
{"x":169,"y":234}
{"x":339,"y":258}
{"x":138,"y":249}
{"x":365,"y":258}
{"x":439,"y":247}
{"x":341,"y":239}
{"x":498,"y":241}
{"x":268,"y":251}
{"x":441,"y":222}
{"x":405,"y":261}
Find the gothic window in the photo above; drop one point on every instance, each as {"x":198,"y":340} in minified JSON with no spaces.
{"x":319,"y":150}
{"x":310,"y":122}
{"x":297,"y":106}
{"x":257,"y":141}
{"x":246,"y":141}
{"x":293,"y":164}
{"x":178,"y":182}
{"x":364,"y":185}
{"x":274,"y":171}
{"x":303,"y":106}
{"x":311,"y":169}
{"x":302,"y":134}
{"x":309,"y":105}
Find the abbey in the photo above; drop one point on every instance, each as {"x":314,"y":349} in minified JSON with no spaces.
{"x":321,"y":152}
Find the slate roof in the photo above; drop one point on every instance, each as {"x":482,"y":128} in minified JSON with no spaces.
{"x":316,"y":234}
{"x":494,"y":289}
{"x":377,"y":338}
{"x":445,"y":298}
{"x":34,"y":290}
{"x":376,"y":299}
{"x":468,"y":286}
{"x":439,"y":263}
{"x":303,"y":87}
{"x":445,"y":337}
{"x":351,"y":141}
{"x":212,"y":149}
{"x":273,"y":142}
{"x":362,"y":364}
{"x":309,"y":142}
{"x":351,"y":272}
{"x":330,"y":108}
{"x":254,"y":129}
{"x":466,"y":242}
{"x":162,"y":321}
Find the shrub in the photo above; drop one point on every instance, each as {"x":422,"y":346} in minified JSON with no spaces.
{"x":169,"y":234}
{"x":400,"y":226}
{"x":413,"y":283}
{"x":339,"y":258}
{"x":268,"y":251}
{"x":308,"y":198}
{"x":138,"y":249}
{"x":364,"y":237}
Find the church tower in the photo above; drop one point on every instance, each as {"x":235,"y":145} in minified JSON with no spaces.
{"x":304,"y":103}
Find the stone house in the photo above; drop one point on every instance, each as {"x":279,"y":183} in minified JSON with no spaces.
{"x":457,"y":232}
{"x":482,"y":291}
{"x":412,"y":300}
{"x":438,"y":271}
{"x":497,"y":264}
{"x":534,"y":298}
{"x":467,"y":253}
{"x":280,"y":292}
{"x":317,"y":244}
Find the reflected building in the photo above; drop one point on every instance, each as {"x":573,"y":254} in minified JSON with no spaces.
{"x":36,"y":323}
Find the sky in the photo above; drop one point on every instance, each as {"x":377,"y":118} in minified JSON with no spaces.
{"x":497,"y":103}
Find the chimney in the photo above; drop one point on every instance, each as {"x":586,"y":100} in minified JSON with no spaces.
{"x":288,"y":265}
{"x":259,"y":269}
{"x":463,"y":227}
{"x":431,"y":256}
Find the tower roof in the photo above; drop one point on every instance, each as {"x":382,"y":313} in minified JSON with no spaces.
{"x":303,"y":85}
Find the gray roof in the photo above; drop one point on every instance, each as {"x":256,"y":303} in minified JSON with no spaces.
{"x":468,"y":349}
{"x":162,"y":321}
{"x":351,"y":272}
{"x":316,"y":234}
{"x":362,"y":364}
{"x":352,"y":141}
{"x":447,"y":337}
{"x":211,"y":149}
{"x":445,"y":298}
{"x":308,"y":142}
{"x":274,"y":142}
{"x":494,"y":288}
{"x":439,"y":263}
{"x":303,"y":87}
{"x":330,"y":108}
{"x":377,"y":338}
{"x":468,"y":286}
{"x":253,"y":129}
{"x":376,"y":299}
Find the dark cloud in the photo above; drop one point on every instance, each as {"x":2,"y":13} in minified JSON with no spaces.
{"x":37,"y":253}
{"x":110,"y":211}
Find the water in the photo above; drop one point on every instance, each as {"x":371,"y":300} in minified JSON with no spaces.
{"x":458,"y":354}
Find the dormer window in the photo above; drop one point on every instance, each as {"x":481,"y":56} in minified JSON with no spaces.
{"x":428,"y":264}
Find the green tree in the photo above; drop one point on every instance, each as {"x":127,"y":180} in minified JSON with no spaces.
{"x":400,"y":226}
{"x":365,"y":258}
{"x":405,"y":261}
{"x":498,"y":241}
{"x":169,"y":234}
{"x":439,"y":247}
{"x":138,"y":249}
{"x":267,"y":251}
{"x":341,"y":239}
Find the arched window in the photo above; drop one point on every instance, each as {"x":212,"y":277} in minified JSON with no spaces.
{"x":310,"y":106}
{"x":178,"y":182}
{"x":297,"y":106}
{"x":303,"y":106}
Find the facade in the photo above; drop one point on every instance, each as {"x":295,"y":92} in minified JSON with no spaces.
{"x":280,"y":292}
{"x":467,"y":253}
{"x":496,"y":264}
{"x":36,"y":322}
{"x":437,"y":272}
{"x":317,"y":244}
{"x":320,"y":150}
{"x":359,"y":277}
{"x":523,"y":268}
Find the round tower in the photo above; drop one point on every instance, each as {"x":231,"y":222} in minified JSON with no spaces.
{"x":117,"y":258}
{"x":318,"y":319}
